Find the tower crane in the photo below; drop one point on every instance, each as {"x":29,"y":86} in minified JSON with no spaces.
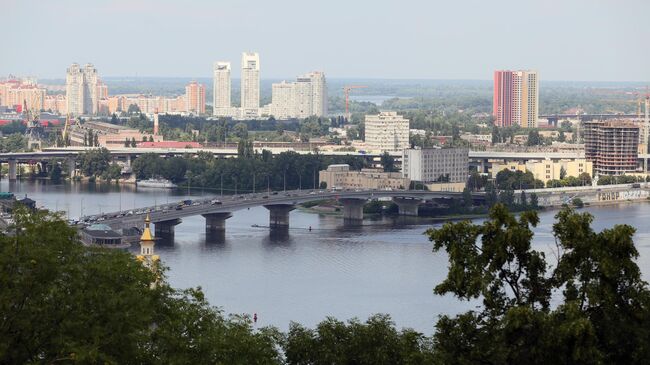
{"x":346,"y":91}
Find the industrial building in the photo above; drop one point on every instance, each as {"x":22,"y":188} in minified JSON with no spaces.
{"x":340,"y":177}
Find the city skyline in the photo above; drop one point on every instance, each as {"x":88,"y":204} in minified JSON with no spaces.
{"x":416,"y":40}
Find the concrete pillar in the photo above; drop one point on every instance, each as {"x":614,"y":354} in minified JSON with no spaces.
{"x":407,"y":206}
{"x":279,"y":215}
{"x":72,"y":167}
{"x":216,"y":222}
{"x":352,"y":211}
{"x":166,"y":228}
{"x":13,"y":168}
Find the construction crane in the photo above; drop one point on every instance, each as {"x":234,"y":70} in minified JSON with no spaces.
{"x":346,"y":91}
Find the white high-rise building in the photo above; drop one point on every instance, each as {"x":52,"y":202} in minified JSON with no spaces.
{"x":250,"y":84}
{"x":282,"y":104}
{"x":387,"y":132}
{"x":221,"y":103}
{"x":308,"y":96}
{"x":83,"y":89}
{"x":319,"y":93}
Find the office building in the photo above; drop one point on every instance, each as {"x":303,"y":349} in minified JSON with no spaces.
{"x":436,"y":164}
{"x":340,"y":177}
{"x":250,"y":84}
{"x":221,"y":102}
{"x":612,"y":146}
{"x":386,"y":132}
{"x":195,"y":98}
{"x":515,"y":98}
{"x":84,"y":89}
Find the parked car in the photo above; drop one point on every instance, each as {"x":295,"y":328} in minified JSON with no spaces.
{"x":215,"y":202}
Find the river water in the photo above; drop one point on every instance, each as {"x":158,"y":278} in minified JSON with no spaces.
{"x":385,"y":266}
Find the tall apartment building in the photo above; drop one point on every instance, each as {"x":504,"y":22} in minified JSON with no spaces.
{"x":515,"y":98}
{"x":250,"y":83}
{"x":83,"y":89}
{"x":436,"y":164}
{"x":221,"y":102}
{"x":387,"y":131}
{"x":195,"y":98}
{"x":303,"y":98}
{"x":612,"y":146}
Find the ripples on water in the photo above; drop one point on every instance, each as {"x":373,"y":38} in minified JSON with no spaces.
{"x":382,"y":267}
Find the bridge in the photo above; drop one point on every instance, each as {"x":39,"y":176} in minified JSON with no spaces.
{"x":216,"y":210}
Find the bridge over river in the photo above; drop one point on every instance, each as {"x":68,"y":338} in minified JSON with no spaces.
{"x":216,"y":210}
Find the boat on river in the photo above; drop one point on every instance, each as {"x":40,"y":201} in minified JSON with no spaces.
{"x":155,"y":183}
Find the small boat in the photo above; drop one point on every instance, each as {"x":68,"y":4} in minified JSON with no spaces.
{"x":155,"y":183}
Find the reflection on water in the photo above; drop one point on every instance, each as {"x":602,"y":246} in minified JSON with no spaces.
{"x":386,"y":266}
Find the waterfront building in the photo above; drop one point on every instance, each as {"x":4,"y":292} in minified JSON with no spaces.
{"x":515,"y":98}
{"x":340,"y":177}
{"x":250,"y":84}
{"x":84,"y":89}
{"x":386,"y":131}
{"x":436,"y":164}
{"x":546,"y":170}
{"x":221,"y":103}
{"x":100,"y":235}
{"x":612,"y":146}
{"x":195,"y":98}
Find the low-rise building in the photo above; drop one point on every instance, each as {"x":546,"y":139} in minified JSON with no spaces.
{"x":108,"y":135}
{"x":546,"y":170}
{"x":341,"y":177}
{"x":436,"y":164}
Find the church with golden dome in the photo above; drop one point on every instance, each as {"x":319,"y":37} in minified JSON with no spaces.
{"x":147,"y":243}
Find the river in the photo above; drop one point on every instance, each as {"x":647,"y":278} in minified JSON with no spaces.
{"x":385,"y":266}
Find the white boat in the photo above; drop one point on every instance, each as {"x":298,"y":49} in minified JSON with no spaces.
{"x":155,"y":183}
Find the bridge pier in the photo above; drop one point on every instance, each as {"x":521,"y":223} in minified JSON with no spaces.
{"x":352,"y":211}
{"x":216,"y":222}
{"x":407,"y":206}
{"x":72,"y":167}
{"x":279,"y":215}
{"x":166,"y":228}
{"x":13,"y":169}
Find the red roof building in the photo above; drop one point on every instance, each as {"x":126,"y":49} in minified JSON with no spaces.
{"x":169,"y":144}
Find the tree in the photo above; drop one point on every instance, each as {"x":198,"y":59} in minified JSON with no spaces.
{"x":94,"y":162}
{"x":496,"y":135}
{"x":58,"y":315}
{"x":602,"y":318}
{"x":577,"y":202}
{"x":127,"y":143}
{"x":561,"y":137}
{"x":533,"y":138}
{"x":55,"y":172}
{"x":240,"y":130}
{"x":150,"y":138}
{"x":133,"y":109}
{"x":534,"y":201}
{"x":388,"y":162}
{"x":562,"y":172}
{"x":468,"y":201}
{"x":133,"y":142}
{"x":522,"y":199}
{"x":322,"y":185}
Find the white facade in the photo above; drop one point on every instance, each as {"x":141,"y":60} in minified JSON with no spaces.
{"x":250,"y":84}
{"x":282,"y":100}
{"x":387,"y":131}
{"x":302,"y":98}
{"x":83,"y":87}
{"x":436,"y":164}
{"x":221,"y":100}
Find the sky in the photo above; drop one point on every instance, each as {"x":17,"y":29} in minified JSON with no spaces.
{"x":566,"y":40}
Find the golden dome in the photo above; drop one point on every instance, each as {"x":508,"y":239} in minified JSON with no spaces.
{"x":146,"y":233}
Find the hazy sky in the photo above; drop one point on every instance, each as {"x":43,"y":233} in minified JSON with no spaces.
{"x":454,"y":39}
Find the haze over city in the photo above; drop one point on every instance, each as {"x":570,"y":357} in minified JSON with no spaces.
{"x":601,"y":40}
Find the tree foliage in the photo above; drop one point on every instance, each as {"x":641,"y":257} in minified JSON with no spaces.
{"x":602,"y":318}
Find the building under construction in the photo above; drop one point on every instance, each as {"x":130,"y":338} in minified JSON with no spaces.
{"x":612,"y":146}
